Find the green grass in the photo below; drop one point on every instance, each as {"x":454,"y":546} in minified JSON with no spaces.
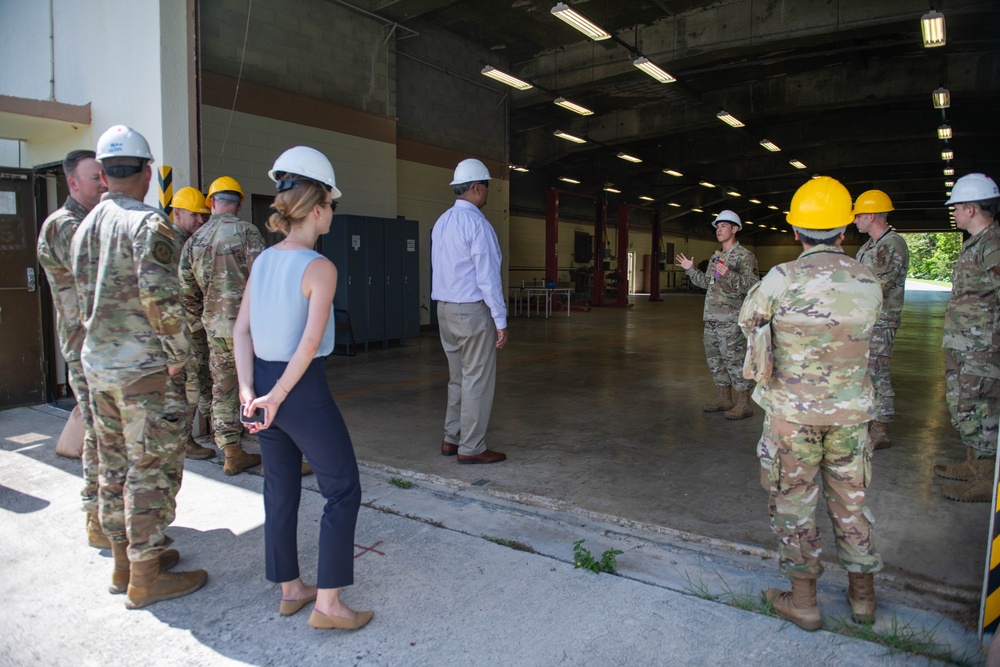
{"x":512,"y":544}
{"x":401,"y":483}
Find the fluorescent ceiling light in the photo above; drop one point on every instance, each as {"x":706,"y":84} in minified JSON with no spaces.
{"x":517,"y":167}
{"x":944,"y":131}
{"x":772,"y":207}
{"x":733,"y":193}
{"x":672,"y":172}
{"x":629,"y":158}
{"x":747,"y":222}
{"x":949,"y":184}
{"x":755,"y":201}
{"x":645,"y":198}
{"x":783,"y":231}
{"x":785,"y":212}
{"x":608,"y":188}
{"x":706,"y":184}
{"x":569,"y":137}
{"x":674,"y":204}
{"x":769,"y":145}
{"x":650,"y":68}
{"x":562,"y":12}
{"x":948,"y":154}
{"x":567,"y":179}
{"x":573,"y":106}
{"x":697,"y":210}
{"x":503,"y":77}
{"x":796,"y":164}
{"x":729,"y":119}
{"x":948,"y":171}
{"x":932,"y":29}
{"x":774,"y":228}
{"x":941,"y":98}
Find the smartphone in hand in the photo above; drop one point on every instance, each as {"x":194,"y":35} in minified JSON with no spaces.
{"x":259,"y":416}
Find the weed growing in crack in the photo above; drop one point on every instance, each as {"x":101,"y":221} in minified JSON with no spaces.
{"x":582,"y":558}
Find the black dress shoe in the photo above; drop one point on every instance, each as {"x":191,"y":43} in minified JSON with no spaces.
{"x":487,"y":456}
{"x":448,"y":449}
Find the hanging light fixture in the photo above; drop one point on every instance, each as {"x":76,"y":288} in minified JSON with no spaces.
{"x":629,"y":158}
{"x":769,"y":145}
{"x":672,"y":172}
{"x":944,"y":131}
{"x":797,"y":164}
{"x":947,"y":154}
{"x":949,"y":184}
{"x":650,"y":68}
{"x":729,"y":119}
{"x":932,"y":29}
{"x":567,"y":179}
{"x":772,"y":207}
{"x":706,"y":184}
{"x":949,"y":171}
{"x":733,"y":193}
{"x":562,"y":12}
{"x":608,"y":188}
{"x":942,"y":98}
{"x":503,"y":77}
{"x":697,"y":210}
{"x":674,"y":204}
{"x":569,"y":137}
{"x":755,"y":201}
{"x":645,"y":198}
{"x":520,"y":168}
{"x":573,"y":106}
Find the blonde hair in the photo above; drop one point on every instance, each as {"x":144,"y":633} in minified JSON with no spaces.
{"x":292,"y":206}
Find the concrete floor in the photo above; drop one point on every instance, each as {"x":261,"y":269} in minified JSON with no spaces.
{"x":601,"y":412}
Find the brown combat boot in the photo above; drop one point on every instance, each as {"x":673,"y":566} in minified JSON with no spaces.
{"x":306,"y":468}
{"x":979,"y":489}
{"x":95,"y":535}
{"x":797,"y":605}
{"x":195,"y":452}
{"x":861,"y":595}
{"x":237,"y":460}
{"x":120,"y":576}
{"x":878,"y":433}
{"x":723,"y":402}
{"x":742,"y":409}
{"x":964,"y":471}
{"x":150,"y":584}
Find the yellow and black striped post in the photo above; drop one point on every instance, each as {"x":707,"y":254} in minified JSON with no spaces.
{"x":166,"y":182}
{"x":989,"y":611}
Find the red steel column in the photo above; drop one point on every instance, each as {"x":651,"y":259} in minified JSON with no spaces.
{"x":654,"y":278}
{"x":551,"y":236}
{"x":622,"y":270}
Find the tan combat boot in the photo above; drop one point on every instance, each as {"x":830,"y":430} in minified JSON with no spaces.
{"x":237,"y":460}
{"x":194,"y":451}
{"x":797,"y":605}
{"x":742,"y":409}
{"x":878,"y":433}
{"x":861,"y":595}
{"x":723,"y":402}
{"x":95,"y":535}
{"x":964,"y":471}
{"x":120,"y":577}
{"x":150,"y":584}
{"x":979,"y":489}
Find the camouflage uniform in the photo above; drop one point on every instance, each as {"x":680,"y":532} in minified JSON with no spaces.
{"x":214,"y":268}
{"x":972,"y":342}
{"x":55,"y":258}
{"x":125,"y":267}
{"x":822,"y":308}
{"x":725,"y":344}
{"x":888,"y":258}
{"x":198,"y":379}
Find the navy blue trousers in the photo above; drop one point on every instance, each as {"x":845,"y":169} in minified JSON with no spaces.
{"x":308,"y":423}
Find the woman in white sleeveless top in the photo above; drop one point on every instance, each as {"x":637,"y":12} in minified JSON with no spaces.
{"x":283,"y":333}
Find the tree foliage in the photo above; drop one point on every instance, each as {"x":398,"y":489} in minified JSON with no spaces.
{"x":933,"y":255}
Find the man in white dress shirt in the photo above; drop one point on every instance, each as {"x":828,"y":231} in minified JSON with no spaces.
{"x":472,"y":313}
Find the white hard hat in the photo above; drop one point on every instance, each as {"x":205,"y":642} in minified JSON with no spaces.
{"x":728,"y":216}
{"x":308,"y":162}
{"x":470,"y":170}
{"x":973,"y":187}
{"x":122,"y":141}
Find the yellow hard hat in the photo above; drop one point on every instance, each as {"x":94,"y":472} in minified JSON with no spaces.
{"x":873,"y":201}
{"x":225,"y":184}
{"x":822,"y":203}
{"x":190,"y":199}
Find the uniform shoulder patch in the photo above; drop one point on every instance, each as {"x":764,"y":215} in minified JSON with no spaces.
{"x":163,"y":252}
